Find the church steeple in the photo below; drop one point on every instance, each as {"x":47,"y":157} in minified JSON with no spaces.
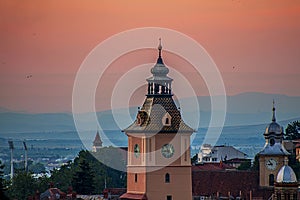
{"x":97,"y":144}
{"x":159,"y":112}
{"x":159,"y":83}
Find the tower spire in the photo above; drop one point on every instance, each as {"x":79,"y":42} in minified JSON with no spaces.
{"x":273,"y":117}
{"x":159,"y":60}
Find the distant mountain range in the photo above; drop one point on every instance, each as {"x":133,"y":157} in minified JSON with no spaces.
{"x":242,"y":109}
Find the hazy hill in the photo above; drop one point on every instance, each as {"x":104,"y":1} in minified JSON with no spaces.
{"x":242,"y":109}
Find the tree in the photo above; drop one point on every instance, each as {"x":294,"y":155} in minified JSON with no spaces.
{"x":292,"y":131}
{"x":194,"y":159}
{"x":294,"y":164}
{"x":62,"y":178}
{"x":101,"y":161}
{"x":245,"y":165}
{"x":255,"y":165}
{"x":23,"y":185}
{"x":2,"y":183}
{"x":43,"y":183}
{"x":83,"y":179}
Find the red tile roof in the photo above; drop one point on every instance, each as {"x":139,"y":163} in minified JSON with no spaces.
{"x":212,"y":167}
{"x":116,"y":191}
{"x":209,"y":182}
{"x":132,"y":196}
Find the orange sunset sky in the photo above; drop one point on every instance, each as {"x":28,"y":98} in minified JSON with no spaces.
{"x":50,"y":39}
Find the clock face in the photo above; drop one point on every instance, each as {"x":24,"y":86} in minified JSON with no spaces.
{"x":136,"y":150}
{"x":167,"y":150}
{"x":271,"y":164}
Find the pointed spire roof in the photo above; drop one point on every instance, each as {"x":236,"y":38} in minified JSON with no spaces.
{"x":97,"y":141}
{"x":274,"y":127}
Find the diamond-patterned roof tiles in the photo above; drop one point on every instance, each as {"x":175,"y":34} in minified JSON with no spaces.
{"x":151,"y":117}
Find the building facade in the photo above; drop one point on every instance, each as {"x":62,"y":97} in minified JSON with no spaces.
{"x":207,"y":153}
{"x":159,"y":165}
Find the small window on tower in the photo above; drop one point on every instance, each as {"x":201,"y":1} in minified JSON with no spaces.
{"x":166,"y":120}
{"x":167,"y":178}
{"x":271,"y":180}
{"x":135,"y":178}
{"x":169,"y":197}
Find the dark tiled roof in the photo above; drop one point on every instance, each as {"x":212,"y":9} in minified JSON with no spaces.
{"x":152,"y":113}
{"x":52,"y":192}
{"x":116,"y":191}
{"x":210,"y":182}
{"x":211,"y":167}
{"x":237,"y":160}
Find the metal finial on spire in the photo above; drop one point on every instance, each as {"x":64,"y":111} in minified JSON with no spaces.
{"x":159,"y":48}
{"x":273,"y":117}
{"x":159,"y":60}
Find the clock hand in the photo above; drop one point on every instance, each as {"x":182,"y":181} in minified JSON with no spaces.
{"x":270,"y":163}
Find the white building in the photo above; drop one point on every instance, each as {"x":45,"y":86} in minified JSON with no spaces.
{"x":207,"y":153}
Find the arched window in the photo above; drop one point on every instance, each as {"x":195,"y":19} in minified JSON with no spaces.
{"x":167,"y":178}
{"x":271,"y":180}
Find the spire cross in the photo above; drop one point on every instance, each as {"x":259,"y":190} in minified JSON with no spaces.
{"x":273,"y":117}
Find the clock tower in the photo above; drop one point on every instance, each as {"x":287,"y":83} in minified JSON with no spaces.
{"x":273,"y":155}
{"x":159,"y":166}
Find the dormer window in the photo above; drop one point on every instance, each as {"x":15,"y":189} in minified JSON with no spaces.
{"x":166,"y":120}
{"x":141,"y":117}
{"x":138,"y":120}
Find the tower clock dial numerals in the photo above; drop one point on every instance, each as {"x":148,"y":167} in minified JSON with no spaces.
{"x":167,"y":150}
{"x":271,"y":164}
{"x":136,"y":150}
